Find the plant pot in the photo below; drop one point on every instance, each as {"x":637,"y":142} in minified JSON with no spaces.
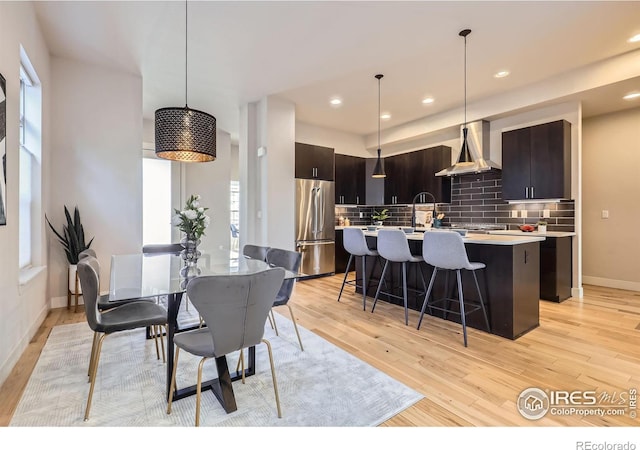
{"x":73,"y":269}
{"x":378,"y":223}
{"x":542,"y":228}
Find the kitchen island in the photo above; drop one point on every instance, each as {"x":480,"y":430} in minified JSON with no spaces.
{"x":510,"y":282}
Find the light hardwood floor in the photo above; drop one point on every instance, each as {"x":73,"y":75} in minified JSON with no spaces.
{"x":581,"y":344}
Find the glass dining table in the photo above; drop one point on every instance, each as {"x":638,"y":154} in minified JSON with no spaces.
{"x":154,"y":275}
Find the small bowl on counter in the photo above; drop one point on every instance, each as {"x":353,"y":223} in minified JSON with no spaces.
{"x":527,"y":228}
{"x":408,"y":230}
{"x":372,"y":228}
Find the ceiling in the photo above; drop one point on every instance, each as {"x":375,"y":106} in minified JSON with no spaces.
{"x":309,"y":52}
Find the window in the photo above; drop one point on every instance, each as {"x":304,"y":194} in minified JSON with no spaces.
{"x":29,"y":184}
{"x":156,"y":201}
{"x":234,"y":203}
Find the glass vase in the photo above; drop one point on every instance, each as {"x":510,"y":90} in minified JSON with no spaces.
{"x":190,"y":256}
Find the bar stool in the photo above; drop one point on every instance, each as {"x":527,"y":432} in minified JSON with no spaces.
{"x":356,"y":245}
{"x":445,"y":250}
{"x":393,"y":246}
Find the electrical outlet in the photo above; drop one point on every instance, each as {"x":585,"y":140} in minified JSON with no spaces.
{"x":546,"y":214}
{"x":514,"y":214}
{"x":523,"y":213}
{"x":605,"y":213}
{"x":361,"y":215}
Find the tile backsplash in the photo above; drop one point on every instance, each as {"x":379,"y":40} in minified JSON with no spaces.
{"x":475,"y":199}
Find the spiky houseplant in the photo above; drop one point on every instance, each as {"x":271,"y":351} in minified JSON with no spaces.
{"x":72,"y":236}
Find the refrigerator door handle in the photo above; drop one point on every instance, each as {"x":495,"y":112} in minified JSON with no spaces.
{"x":314,"y":220}
{"x":320,"y":205}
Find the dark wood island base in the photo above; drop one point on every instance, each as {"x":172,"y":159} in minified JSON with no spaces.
{"x":510,"y":284}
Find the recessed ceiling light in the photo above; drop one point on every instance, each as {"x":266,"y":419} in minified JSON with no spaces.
{"x":427,"y":101}
{"x":635,"y":38}
{"x":385,"y":116}
{"x":335,"y":101}
{"x":632,"y":96}
{"x":502,"y":74}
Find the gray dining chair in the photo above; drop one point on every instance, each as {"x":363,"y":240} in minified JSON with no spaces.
{"x":235,"y":309}
{"x":255,"y":251}
{"x":129,"y":316}
{"x":104,"y":304}
{"x":290,"y":260}
{"x":445,"y":250}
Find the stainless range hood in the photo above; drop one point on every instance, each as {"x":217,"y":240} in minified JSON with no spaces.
{"x":476,"y":159}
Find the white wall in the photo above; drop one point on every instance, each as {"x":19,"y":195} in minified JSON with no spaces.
{"x":343,"y":143}
{"x":96,"y":163}
{"x":611,"y":151}
{"x":278,"y":166}
{"x":212,"y":180}
{"x":24,"y":306}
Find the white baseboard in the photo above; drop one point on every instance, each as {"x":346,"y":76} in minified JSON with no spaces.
{"x":18,"y":350}
{"x":608,"y":282}
{"x":577,"y":292}
{"x":61,"y":302}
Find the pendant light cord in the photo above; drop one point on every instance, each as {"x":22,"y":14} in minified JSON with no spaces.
{"x":465,"y":81}
{"x":186,"y":55}
{"x":379,"y":117}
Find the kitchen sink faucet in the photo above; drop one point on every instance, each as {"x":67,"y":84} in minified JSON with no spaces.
{"x":413,"y":208}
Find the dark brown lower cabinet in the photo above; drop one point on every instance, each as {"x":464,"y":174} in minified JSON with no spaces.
{"x":510,"y":285}
{"x":555,"y":269}
{"x":342,"y":256}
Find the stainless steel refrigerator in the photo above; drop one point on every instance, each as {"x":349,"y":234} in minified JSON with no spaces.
{"x":315,"y":225}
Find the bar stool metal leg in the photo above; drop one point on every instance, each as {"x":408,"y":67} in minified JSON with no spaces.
{"x":461,"y":300}
{"x":484,"y":311}
{"x":346,"y":274}
{"x":384,"y":271}
{"x":364,"y":283}
{"x":426,"y":297}
{"x":404,"y":293}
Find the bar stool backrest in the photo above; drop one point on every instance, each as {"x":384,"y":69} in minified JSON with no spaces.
{"x":445,"y":250}
{"x":355,"y":242}
{"x":393,"y":245}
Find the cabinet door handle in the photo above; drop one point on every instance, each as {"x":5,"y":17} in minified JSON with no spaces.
{"x":532,"y":195}
{"x":526,"y":255}
{"x":357,"y":200}
{"x":526,"y":192}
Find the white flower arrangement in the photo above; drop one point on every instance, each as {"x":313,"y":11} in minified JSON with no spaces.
{"x":192,"y":220}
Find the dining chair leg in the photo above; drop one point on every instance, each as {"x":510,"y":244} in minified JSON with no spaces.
{"x":161,"y":333}
{"x":93,"y":352}
{"x":199,"y":391}
{"x":295,"y":326}
{"x":270,"y":321}
{"x":155,"y":338}
{"x":94,"y":371}
{"x":384,"y":271}
{"x":173,"y":380}
{"x":273,"y":376}
{"x":275,"y":325}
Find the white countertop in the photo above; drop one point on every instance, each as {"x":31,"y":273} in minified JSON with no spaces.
{"x":554,"y":234}
{"x":478,"y":238}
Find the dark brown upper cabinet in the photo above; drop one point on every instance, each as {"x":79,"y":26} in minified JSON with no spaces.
{"x":536,"y":162}
{"x":411,"y":173}
{"x":350,"y":187}
{"x":314,"y":161}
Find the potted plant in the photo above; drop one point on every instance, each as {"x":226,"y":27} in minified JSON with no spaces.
{"x":542,"y":226}
{"x":379,"y":217}
{"x":72,"y":240}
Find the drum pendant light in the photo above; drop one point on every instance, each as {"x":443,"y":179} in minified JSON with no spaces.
{"x":378,"y":170}
{"x":185,"y":134}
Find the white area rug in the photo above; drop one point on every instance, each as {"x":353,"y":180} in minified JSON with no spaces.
{"x":321,"y":387}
